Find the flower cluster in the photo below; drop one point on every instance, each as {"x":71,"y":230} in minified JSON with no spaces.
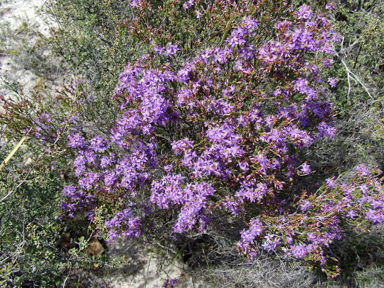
{"x":316,"y":221}
{"x":81,"y":201}
{"x":169,"y":283}
{"x":124,"y":220}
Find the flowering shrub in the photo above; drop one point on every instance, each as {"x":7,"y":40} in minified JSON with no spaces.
{"x":214,"y":123}
{"x":219,"y":131}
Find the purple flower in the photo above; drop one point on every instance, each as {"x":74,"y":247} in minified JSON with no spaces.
{"x":69,"y":191}
{"x":351,"y":214}
{"x":326,"y":130}
{"x":306,"y":169}
{"x":188,"y":4}
{"x":329,"y":6}
{"x":98,"y":144}
{"x":364,"y":188}
{"x":241,"y":120}
{"x":247,"y":237}
{"x":159,"y":50}
{"x":243,"y":166}
{"x":168,"y":168}
{"x":91,"y":157}
{"x":301,"y":86}
{"x":312,"y":237}
{"x":110,"y":179}
{"x":305,"y":205}
{"x":364,"y":171}
{"x":73,"y":119}
{"x":106,"y":161}
{"x":221,"y":55}
{"x":171,"y":50}
{"x":271,"y":242}
{"x":181,"y":146}
{"x":330,"y":182}
{"x":170,"y":283}
{"x":299,"y":251}
{"x":304,"y":12}
{"x":332,"y":81}
{"x":79,"y":163}
{"x":89,"y":180}
{"x":76,"y":140}
{"x":372,"y":216}
{"x":250,"y":24}
{"x":238,"y":37}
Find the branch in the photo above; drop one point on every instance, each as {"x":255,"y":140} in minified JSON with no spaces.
{"x":30,"y":170}
{"x":355,"y":78}
{"x":14,"y":150}
{"x":350,"y":74}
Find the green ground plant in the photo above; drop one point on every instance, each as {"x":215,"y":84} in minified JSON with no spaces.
{"x":29,"y":227}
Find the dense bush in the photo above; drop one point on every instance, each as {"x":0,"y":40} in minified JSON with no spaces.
{"x":221,"y":131}
{"x":212,"y":123}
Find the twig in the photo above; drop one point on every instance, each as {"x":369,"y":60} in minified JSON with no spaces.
{"x":30,"y":170}
{"x":10,"y":192}
{"x":209,"y":269}
{"x":66,"y":278}
{"x":355,"y":78}
{"x":14,"y":150}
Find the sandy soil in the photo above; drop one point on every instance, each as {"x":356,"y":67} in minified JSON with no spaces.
{"x":146,"y":269}
{"x":22,"y":62}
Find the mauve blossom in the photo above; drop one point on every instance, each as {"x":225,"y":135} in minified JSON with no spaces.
{"x":306,"y":169}
{"x":329,"y":6}
{"x":304,"y":12}
{"x":76,"y":140}
{"x":332,"y":81}
{"x":299,"y":251}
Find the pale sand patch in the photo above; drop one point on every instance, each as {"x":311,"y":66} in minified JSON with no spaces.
{"x":20,"y":25}
{"x":146,"y":268}
{"x":18,"y":11}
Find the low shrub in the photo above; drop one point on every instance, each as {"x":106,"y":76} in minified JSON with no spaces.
{"x":212,"y":121}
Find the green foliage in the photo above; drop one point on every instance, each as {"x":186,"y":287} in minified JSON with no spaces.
{"x":86,"y":40}
{"x":359,"y":60}
{"x":360,"y":51}
{"x":31,"y":253}
{"x":29,"y":228}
